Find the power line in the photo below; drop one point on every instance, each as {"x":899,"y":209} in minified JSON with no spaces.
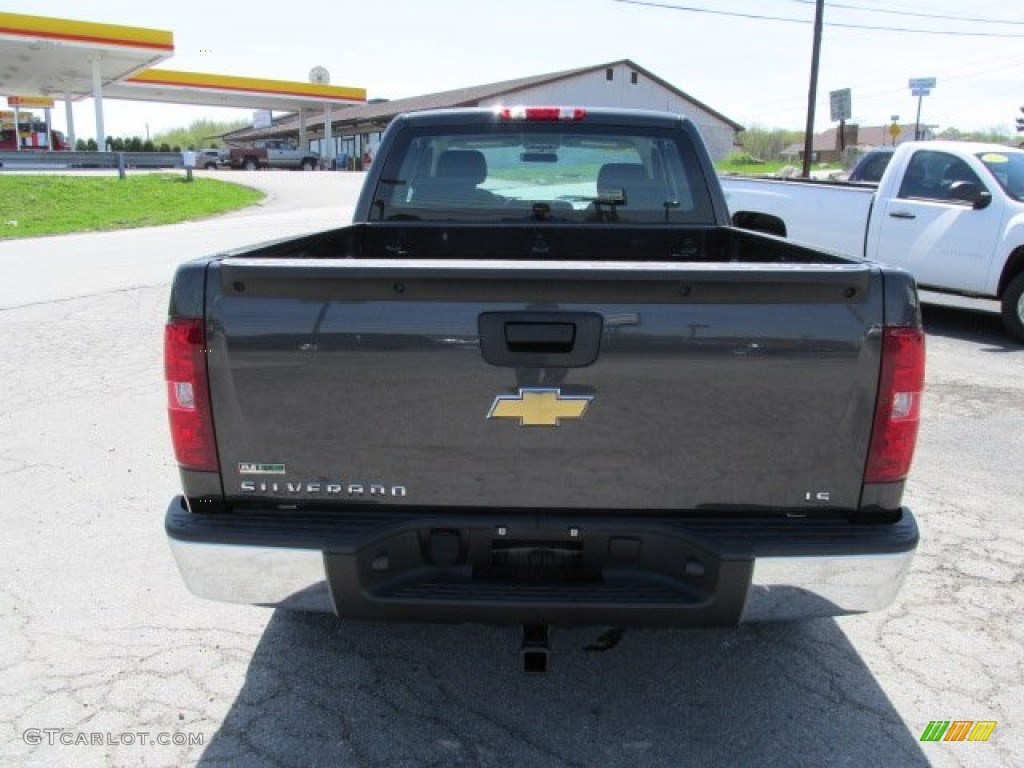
{"x":761,"y":17}
{"x":971,"y":19}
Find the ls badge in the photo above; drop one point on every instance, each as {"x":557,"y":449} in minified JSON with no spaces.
{"x":538,"y":407}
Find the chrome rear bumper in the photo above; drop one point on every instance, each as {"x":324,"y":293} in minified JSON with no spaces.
{"x":784,"y":588}
{"x":302,"y":572}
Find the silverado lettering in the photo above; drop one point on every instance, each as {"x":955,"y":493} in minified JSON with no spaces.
{"x":350,"y":489}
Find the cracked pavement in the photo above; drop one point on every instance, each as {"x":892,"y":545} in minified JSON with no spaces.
{"x":101,"y":641}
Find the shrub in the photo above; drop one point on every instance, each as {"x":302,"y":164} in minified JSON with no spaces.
{"x":742,"y":158}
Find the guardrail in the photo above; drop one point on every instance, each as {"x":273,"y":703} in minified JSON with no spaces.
{"x":123,"y":161}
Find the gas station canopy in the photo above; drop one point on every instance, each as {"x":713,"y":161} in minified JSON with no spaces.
{"x":72,"y":60}
{"x":55,"y":57}
{"x":228,"y":91}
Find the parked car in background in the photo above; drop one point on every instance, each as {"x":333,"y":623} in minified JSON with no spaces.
{"x":949,"y":212}
{"x":208,"y":159}
{"x":273,"y":154}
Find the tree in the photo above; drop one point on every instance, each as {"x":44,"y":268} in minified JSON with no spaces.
{"x":91,"y":145}
{"x":200,"y":133}
{"x":80,"y":145}
{"x":148,"y":146}
{"x":768,"y":144}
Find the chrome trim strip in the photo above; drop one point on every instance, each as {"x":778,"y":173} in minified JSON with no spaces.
{"x":271,"y":576}
{"x":786,"y":588}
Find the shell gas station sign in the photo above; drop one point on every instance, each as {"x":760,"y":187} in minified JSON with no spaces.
{"x":30,"y":101}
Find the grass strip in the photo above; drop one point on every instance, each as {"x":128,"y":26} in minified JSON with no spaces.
{"x":33,"y":205}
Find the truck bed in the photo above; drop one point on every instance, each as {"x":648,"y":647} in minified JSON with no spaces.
{"x":821,"y":214}
{"x":718,"y":383}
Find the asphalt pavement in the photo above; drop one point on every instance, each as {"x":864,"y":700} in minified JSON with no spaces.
{"x":107,"y":660}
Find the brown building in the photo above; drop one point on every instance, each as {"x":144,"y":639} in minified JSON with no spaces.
{"x":828,"y":149}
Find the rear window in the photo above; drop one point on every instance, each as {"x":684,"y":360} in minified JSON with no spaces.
{"x":543,"y":172}
{"x":871,"y":167}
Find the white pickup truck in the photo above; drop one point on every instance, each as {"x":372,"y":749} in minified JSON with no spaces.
{"x":950,"y":213}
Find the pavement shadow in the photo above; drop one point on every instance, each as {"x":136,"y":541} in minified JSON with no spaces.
{"x":325,"y":692}
{"x":968,"y":325}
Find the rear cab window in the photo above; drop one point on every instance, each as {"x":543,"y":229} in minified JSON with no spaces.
{"x":540,"y":172}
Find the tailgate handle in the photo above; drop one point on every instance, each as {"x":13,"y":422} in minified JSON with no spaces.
{"x":540,"y":339}
{"x":550,"y":338}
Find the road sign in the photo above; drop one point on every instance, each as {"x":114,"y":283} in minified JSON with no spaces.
{"x":895,"y":130}
{"x":261,"y":118}
{"x":921,"y":92}
{"x":922,"y":82}
{"x":841,"y":103}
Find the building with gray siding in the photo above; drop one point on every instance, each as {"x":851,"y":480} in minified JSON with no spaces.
{"x":356,"y":129}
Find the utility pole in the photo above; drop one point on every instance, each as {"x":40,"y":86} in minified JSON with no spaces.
{"x":812,"y":91}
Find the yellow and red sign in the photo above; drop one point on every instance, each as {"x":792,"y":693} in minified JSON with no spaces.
{"x":30,"y":101}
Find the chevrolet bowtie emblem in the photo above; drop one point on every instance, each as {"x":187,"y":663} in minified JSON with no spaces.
{"x":539,"y":407}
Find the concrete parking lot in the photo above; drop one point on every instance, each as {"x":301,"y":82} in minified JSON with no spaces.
{"x":106,"y":659}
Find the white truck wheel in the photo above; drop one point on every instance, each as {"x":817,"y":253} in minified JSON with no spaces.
{"x":1013,"y":307}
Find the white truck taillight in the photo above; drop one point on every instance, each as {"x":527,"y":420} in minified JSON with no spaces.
{"x":188,"y":396}
{"x":898,"y":410}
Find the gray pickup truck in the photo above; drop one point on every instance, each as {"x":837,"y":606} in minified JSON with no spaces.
{"x":542,"y":381}
{"x":274,"y":153}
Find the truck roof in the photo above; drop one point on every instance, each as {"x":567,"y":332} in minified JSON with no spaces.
{"x":592,"y":115}
{"x":969,"y":147}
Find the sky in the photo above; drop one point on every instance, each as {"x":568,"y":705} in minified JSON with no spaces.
{"x":746,"y":59}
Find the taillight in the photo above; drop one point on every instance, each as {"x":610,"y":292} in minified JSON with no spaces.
{"x":898,"y":410}
{"x":541,"y":114}
{"x":188,"y":396}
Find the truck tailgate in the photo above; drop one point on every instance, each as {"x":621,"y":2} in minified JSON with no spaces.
{"x":526,"y":385}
